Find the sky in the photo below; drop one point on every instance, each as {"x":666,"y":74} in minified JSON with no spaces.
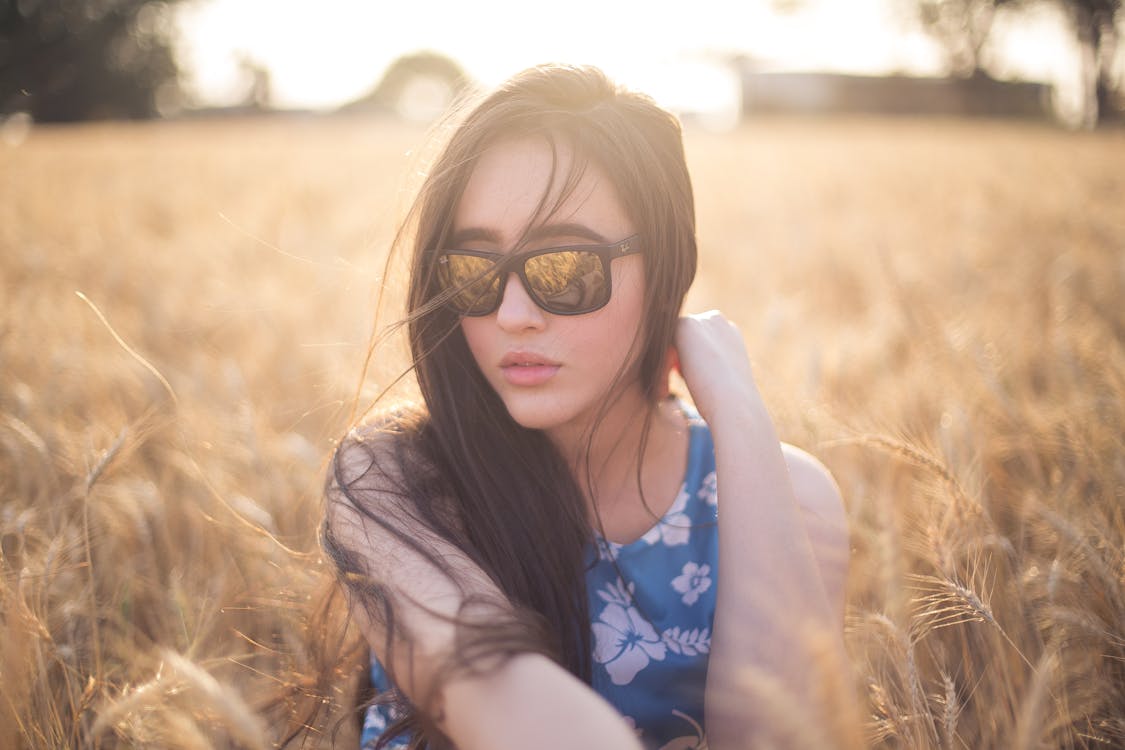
{"x":324,"y":58}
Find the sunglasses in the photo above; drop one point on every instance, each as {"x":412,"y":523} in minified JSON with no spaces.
{"x":570,"y":280}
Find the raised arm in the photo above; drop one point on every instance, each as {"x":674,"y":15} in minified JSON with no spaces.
{"x":409,"y":588}
{"x":782,"y":549}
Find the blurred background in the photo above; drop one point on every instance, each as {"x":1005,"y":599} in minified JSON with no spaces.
{"x":716,"y":62}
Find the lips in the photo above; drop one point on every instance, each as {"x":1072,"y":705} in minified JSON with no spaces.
{"x":527,"y":368}
{"x":526,"y":359}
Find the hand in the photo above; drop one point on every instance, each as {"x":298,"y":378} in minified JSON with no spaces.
{"x":714,"y":364}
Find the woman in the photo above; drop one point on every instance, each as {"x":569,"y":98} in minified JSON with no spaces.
{"x":533,"y":553}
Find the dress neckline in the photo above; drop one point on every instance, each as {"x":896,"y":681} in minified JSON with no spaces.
{"x":696,"y":428}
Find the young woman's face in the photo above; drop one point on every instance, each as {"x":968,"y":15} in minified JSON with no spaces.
{"x":551,"y":371}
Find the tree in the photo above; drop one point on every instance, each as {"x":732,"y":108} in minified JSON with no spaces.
{"x":1095,"y":23}
{"x":418,"y":87}
{"x":63,"y":60}
{"x":961,"y":27}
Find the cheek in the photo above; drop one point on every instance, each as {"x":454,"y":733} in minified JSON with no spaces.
{"x":619,"y":332}
{"x":628,"y":320}
{"x":475,"y":338}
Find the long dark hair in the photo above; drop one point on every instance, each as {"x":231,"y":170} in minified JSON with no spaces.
{"x":459,"y":467}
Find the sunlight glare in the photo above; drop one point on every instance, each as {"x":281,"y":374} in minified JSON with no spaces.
{"x":321,"y":59}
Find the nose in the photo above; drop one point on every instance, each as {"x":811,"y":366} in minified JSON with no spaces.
{"x":517,"y":310}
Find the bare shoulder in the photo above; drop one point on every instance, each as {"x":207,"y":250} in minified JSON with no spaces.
{"x":387,"y":531}
{"x":376,"y":475}
{"x":377,"y":455}
{"x":367,"y":451}
{"x":826,"y":520}
{"x":813,"y":485}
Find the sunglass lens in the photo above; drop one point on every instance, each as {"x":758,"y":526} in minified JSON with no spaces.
{"x":477,"y":286}
{"x":567,"y":281}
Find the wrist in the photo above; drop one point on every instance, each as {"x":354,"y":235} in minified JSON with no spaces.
{"x":747,"y":417}
{"x":736,"y":400}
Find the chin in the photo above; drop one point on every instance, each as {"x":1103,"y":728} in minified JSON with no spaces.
{"x":537,"y":413}
{"x":535,"y":419}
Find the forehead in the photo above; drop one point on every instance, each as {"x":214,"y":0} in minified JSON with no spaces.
{"x":516,"y":186}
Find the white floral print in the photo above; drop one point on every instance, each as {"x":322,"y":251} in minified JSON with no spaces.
{"x":625,"y":643}
{"x":709,"y":491}
{"x":618,"y":592}
{"x":375,"y":721}
{"x":378,"y":717}
{"x":693,"y":580}
{"x":687,"y":642}
{"x":675,"y":528}
{"x":607,"y":550}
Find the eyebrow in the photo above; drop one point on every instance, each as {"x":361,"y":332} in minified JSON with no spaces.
{"x":543,"y":231}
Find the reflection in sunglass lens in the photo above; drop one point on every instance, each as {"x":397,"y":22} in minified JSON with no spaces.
{"x":567,"y":280}
{"x":472,"y":276}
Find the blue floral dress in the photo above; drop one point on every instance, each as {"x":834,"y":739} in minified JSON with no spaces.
{"x":652,"y":605}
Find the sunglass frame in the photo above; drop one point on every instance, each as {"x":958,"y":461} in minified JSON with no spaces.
{"x":505,"y":264}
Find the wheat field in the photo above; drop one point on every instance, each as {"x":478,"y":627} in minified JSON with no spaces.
{"x":933,"y":307}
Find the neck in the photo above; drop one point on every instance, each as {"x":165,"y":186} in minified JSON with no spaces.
{"x":604,"y":454}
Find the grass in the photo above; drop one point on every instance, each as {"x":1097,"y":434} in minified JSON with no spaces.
{"x":933,"y":308}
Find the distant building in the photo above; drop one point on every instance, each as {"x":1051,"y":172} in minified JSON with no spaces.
{"x":832,"y":93}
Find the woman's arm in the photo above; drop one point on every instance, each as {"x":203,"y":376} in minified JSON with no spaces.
{"x":779,"y":597}
{"x":825,"y":521}
{"x":527,"y":701}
